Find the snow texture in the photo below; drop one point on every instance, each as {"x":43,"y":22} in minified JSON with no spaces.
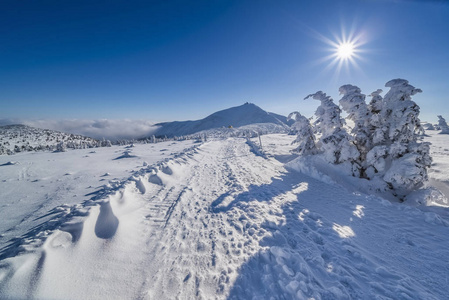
{"x":213,"y":220}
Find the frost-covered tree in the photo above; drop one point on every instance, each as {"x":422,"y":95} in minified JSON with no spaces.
{"x":305,"y":137}
{"x":408,"y":159}
{"x":378,"y":136}
{"x":335,"y":142}
{"x":384,"y":143}
{"x":353,"y":103}
{"x":400,"y":113}
{"x":375,"y":105}
{"x":106,"y":143}
{"x":409,"y":171}
{"x":328,"y":114}
{"x":443,"y":125}
{"x":61,"y":147}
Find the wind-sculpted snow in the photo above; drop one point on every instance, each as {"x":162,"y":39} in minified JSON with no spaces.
{"x":219,"y":221}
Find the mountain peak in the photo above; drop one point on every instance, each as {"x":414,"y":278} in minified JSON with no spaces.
{"x":245,"y":114}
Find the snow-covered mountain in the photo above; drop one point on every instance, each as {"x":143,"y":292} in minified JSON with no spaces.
{"x":238,"y":116}
{"x":21,"y":138}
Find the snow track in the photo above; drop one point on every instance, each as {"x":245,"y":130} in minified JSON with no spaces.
{"x":220,"y":222}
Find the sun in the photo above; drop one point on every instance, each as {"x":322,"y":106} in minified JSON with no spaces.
{"x":345,"y":50}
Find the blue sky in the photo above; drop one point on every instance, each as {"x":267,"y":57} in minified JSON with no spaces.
{"x":179,"y":60}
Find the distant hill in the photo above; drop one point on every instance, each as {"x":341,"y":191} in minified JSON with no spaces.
{"x":238,"y":116}
{"x":20,"y":138}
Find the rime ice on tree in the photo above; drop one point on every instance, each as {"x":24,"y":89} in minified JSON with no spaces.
{"x":383,"y":144}
{"x":305,"y":137}
{"x":335,"y":141}
{"x":353,"y":102}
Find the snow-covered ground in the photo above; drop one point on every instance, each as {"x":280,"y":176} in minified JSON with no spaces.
{"x":212,"y":221}
{"x":33,"y":184}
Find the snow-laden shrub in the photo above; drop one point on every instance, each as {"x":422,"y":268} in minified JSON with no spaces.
{"x":382,"y":146}
{"x":443,"y":125}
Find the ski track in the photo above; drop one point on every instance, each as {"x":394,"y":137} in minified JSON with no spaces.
{"x":220,"y":222}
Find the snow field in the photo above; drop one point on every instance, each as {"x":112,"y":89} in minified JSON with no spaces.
{"x":43,"y":190}
{"x":224,"y":221}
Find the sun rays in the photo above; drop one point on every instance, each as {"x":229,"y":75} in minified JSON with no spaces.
{"x":344,"y":52}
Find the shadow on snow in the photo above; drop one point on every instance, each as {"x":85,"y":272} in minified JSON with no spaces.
{"x":318,"y":255}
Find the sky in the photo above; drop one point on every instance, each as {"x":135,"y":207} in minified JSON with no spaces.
{"x":154,"y":61}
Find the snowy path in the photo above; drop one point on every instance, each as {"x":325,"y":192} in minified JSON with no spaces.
{"x":221,"y":222}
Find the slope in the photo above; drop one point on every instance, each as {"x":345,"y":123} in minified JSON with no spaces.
{"x":220,"y":222}
{"x":245,"y":114}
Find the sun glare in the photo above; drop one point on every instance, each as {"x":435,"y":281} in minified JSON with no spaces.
{"x":345,"y":50}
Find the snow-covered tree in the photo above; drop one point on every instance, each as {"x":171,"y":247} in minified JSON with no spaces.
{"x":384,"y":143}
{"x":376,"y":102}
{"x":335,"y":142}
{"x":443,"y":125}
{"x":305,"y":137}
{"x":378,"y":136}
{"x":409,"y":158}
{"x":353,"y":102}
{"x":400,"y":113}
{"x":328,"y":114}
{"x":61,"y":147}
{"x":409,"y":171}
{"x":106,"y":143}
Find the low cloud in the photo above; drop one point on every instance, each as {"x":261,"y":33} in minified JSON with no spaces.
{"x":104,"y":128}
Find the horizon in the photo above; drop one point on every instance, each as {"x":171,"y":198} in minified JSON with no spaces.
{"x":114,"y":129}
{"x":166,"y":61}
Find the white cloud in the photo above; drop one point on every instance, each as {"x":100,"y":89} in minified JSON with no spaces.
{"x":103,"y":128}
